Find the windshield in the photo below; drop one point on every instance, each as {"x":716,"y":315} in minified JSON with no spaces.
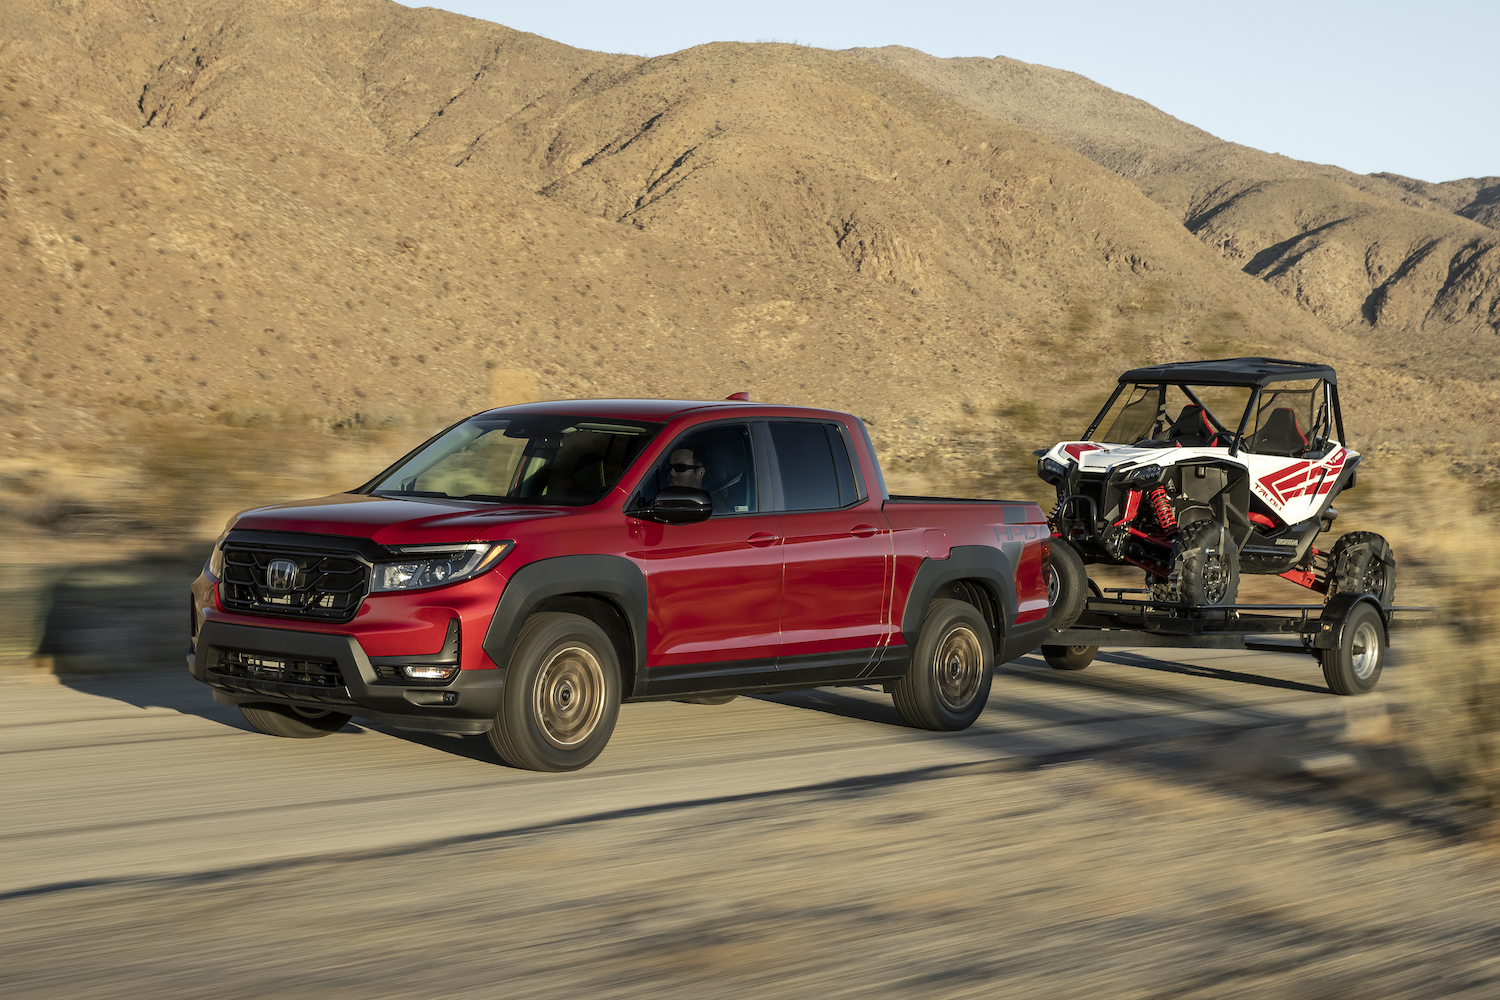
{"x":543,"y":458}
{"x":1193,"y":415}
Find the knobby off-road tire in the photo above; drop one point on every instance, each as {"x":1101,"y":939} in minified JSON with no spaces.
{"x":948,"y":682}
{"x":1362,"y":563}
{"x":292,"y":723}
{"x":1067,"y":585}
{"x":1354,"y":666}
{"x":1205,"y":570}
{"x":1069,"y":657}
{"x":560,"y":696}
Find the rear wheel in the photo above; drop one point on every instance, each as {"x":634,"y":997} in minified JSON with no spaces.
{"x":561,"y":695}
{"x":1362,"y":562}
{"x":1069,"y":657}
{"x":293,"y":723}
{"x":1353,"y":667}
{"x":709,"y":699}
{"x":1205,"y":571}
{"x":948,"y":682}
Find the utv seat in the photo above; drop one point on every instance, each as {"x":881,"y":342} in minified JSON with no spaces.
{"x":1191,"y":429}
{"x":1281,"y":434}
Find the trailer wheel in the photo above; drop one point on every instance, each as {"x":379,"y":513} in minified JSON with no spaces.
{"x":1362,"y":563}
{"x":1069,"y":657}
{"x":1353,"y":667}
{"x":948,"y":682}
{"x":1067,"y":585}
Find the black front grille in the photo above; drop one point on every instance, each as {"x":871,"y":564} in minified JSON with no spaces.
{"x":1093,"y":488}
{"x":251,"y":665}
{"x":328,"y":586}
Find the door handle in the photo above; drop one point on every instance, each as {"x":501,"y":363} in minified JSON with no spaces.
{"x":864,"y":530}
{"x":763,"y":538}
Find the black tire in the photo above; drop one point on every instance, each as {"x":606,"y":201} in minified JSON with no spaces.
{"x":709,"y":699}
{"x":1205,"y":571}
{"x":948,"y":682}
{"x":561,"y":695}
{"x":1069,"y":657}
{"x":292,"y":723}
{"x":1067,"y":585}
{"x":1354,"y":666}
{"x":1362,"y":563}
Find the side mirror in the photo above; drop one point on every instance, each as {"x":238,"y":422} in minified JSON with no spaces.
{"x":678,"y":505}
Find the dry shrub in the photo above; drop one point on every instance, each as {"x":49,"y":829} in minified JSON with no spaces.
{"x":1453,"y":669}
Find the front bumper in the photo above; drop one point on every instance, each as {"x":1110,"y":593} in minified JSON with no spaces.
{"x":322,"y":670}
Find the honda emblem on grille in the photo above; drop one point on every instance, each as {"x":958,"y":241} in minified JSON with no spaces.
{"x":281,"y":574}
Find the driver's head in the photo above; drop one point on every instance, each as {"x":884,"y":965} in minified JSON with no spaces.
{"x":686,"y":468}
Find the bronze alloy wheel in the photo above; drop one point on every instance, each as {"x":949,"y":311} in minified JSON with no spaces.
{"x":959,"y":667}
{"x":569,"y":696}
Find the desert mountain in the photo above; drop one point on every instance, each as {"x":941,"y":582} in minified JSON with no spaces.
{"x":329,"y":216}
{"x":1410,"y":266}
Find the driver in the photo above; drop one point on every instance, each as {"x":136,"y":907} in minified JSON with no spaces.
{"x":685,"y":468}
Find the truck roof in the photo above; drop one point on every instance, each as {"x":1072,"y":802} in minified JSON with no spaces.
{"x":657,"y":410}
{"x":1231,"y":371}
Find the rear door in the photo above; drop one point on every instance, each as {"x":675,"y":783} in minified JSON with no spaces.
{"x":835,"y":605}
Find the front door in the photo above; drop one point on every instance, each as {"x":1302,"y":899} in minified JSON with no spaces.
{"x":713,"y":588}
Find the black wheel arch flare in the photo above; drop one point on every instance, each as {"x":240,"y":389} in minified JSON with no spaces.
{"x":574,"y":583}
{"x":970,"y":568}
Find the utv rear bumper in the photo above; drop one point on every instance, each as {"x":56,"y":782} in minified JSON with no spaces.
{"x":320,"y":670}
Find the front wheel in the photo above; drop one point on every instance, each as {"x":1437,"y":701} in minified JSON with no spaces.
{"x":1353,"y":667}
{"x":1205,"y":570}
{"x":293,"y":723}
{"x":561,"y":695}
{"x":948,"y":682}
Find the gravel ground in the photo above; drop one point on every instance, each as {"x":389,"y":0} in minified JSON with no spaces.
{"x":1158,"y":873}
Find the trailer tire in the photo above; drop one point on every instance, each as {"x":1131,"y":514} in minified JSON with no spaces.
{"x":948,"y":682}
{"x":1069,"y":657}
{"x":1362,"y":563}
{"x":1353,"y":666}
{"x":1067,"y":585}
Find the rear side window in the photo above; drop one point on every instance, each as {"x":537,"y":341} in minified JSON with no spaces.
{"x":813,"y":462}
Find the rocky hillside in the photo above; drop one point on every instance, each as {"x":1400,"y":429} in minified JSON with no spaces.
{"x":296,"y":215}
{"x":1407,"y":266}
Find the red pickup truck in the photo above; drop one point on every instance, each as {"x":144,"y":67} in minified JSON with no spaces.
{"x":529,"y":568}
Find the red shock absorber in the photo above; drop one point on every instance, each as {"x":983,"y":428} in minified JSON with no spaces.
{"x":1162,"y":507}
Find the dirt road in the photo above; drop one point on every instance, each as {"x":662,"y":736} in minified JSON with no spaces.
{"x":1086,"y":835}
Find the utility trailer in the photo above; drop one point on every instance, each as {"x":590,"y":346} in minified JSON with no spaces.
{"x":1348,"y":635}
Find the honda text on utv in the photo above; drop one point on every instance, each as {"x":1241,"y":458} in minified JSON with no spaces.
{"x":1199,"y":471}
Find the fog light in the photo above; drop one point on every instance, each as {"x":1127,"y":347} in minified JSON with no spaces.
{"x":429,"y":671}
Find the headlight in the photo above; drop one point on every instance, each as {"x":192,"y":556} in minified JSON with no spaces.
{"x":216,"y":561}
{"x":420,"y":566}
{"x":1053,"y":472}
{"x":1145,"y":474}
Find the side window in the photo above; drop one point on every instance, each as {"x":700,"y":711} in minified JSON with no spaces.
{"x":717,"y":458}
{"x":811,"y":479}
{"x":851,"y":487}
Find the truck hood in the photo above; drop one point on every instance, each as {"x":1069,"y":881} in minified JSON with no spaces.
{"x":393,"y":520}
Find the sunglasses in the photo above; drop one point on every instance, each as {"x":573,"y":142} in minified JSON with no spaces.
{"x":680,"y":468}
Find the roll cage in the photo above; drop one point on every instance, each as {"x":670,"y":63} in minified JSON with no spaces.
{"x":1261,"y":376}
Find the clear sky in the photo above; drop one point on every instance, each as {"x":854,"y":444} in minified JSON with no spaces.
{"x":1369,"y":85}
